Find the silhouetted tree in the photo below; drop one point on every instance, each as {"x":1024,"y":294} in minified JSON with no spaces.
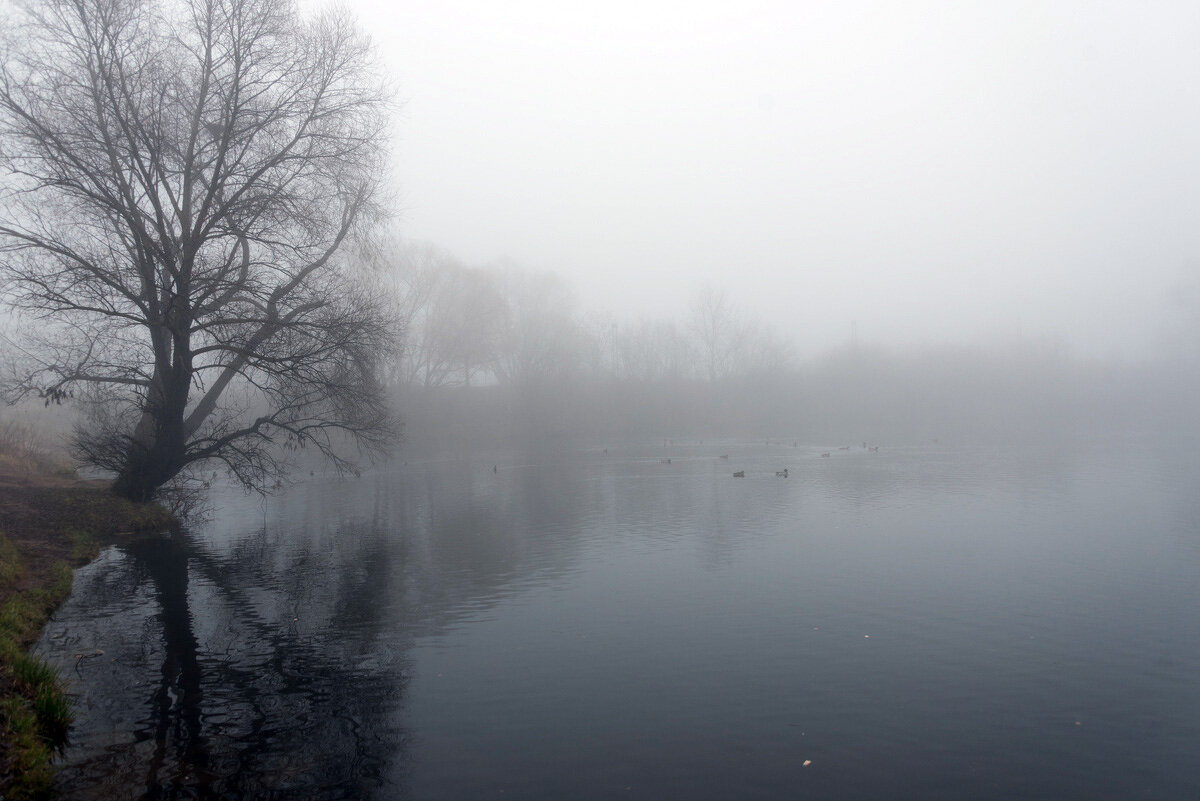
{"x":180,"y":180}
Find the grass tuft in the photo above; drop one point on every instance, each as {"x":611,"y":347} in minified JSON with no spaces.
{"x":54,"y":713}
{"x":36,"y":715}
{"x":84,"y":546}
{"x":32,"y":674}
{"x":29,"y":755}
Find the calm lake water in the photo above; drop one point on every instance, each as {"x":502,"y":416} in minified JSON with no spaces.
{"x":928,"y":622}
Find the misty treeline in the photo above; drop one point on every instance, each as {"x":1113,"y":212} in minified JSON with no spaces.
{"x":512,"y":327}
{"x":504,"y":354}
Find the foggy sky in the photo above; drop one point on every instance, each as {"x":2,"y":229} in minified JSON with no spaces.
{"x":964,"y":172}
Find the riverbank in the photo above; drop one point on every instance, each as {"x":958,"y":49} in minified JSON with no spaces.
{"x":50,"y":523}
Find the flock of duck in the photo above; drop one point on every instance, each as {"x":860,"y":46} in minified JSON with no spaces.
{"x":784,"y":472}
{"x":779,"y":473}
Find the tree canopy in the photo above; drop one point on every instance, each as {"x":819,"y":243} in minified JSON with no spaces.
{"x":180,"y":182}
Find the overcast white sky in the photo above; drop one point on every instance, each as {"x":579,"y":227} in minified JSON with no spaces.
{"x":948,"y":171}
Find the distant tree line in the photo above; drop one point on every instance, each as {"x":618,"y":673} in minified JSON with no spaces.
{"x":504,"y":354}
{"x":507,"y":326}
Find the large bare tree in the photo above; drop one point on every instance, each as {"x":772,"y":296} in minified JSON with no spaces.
{"x":180,"y":180}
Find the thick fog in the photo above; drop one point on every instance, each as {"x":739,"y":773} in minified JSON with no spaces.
{"x":904,"y":173}
{"x":835,"y":222}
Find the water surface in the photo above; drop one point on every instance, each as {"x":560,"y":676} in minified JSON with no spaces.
{"x":926,"y":622}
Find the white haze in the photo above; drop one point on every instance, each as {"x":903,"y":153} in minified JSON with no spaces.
{"x":957,"y":172}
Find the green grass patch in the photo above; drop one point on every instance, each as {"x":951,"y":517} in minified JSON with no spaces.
{"x":32,"y":674}
{"x":20,"y":618}
{"x":23,"y":615}
{"x":84,"y":546}
{"x":35,"y":712}
{"x":29,"y":754}
{"x":53,"y":711}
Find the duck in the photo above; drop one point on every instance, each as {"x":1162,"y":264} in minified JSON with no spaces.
{"x":740,"y":474}
{"x":782,"y":473}
{"x":823,"y":455}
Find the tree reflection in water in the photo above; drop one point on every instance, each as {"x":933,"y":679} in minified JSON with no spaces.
{"x":272,"y":680}
{"x":273,"y":664}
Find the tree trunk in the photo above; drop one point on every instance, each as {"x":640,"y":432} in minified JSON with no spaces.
{"x":158,"y":449}
{"x":148,"y":468}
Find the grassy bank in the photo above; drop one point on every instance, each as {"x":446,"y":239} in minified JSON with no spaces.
{"x":50,"y":523}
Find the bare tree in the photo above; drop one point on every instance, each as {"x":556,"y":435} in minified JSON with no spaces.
{"x":468,"y":322}
{"x":180,"y":178}
{"x":409,"y":274}
{"x":454,"y":315}
{"x":541,"y":342}
{"x":656,"y":350}
{"x":761,"y":350}
{"x":717,"y":327}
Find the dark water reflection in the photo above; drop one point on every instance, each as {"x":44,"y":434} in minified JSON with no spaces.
{"x":927,"y":622}
{"x":214,"y":679}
